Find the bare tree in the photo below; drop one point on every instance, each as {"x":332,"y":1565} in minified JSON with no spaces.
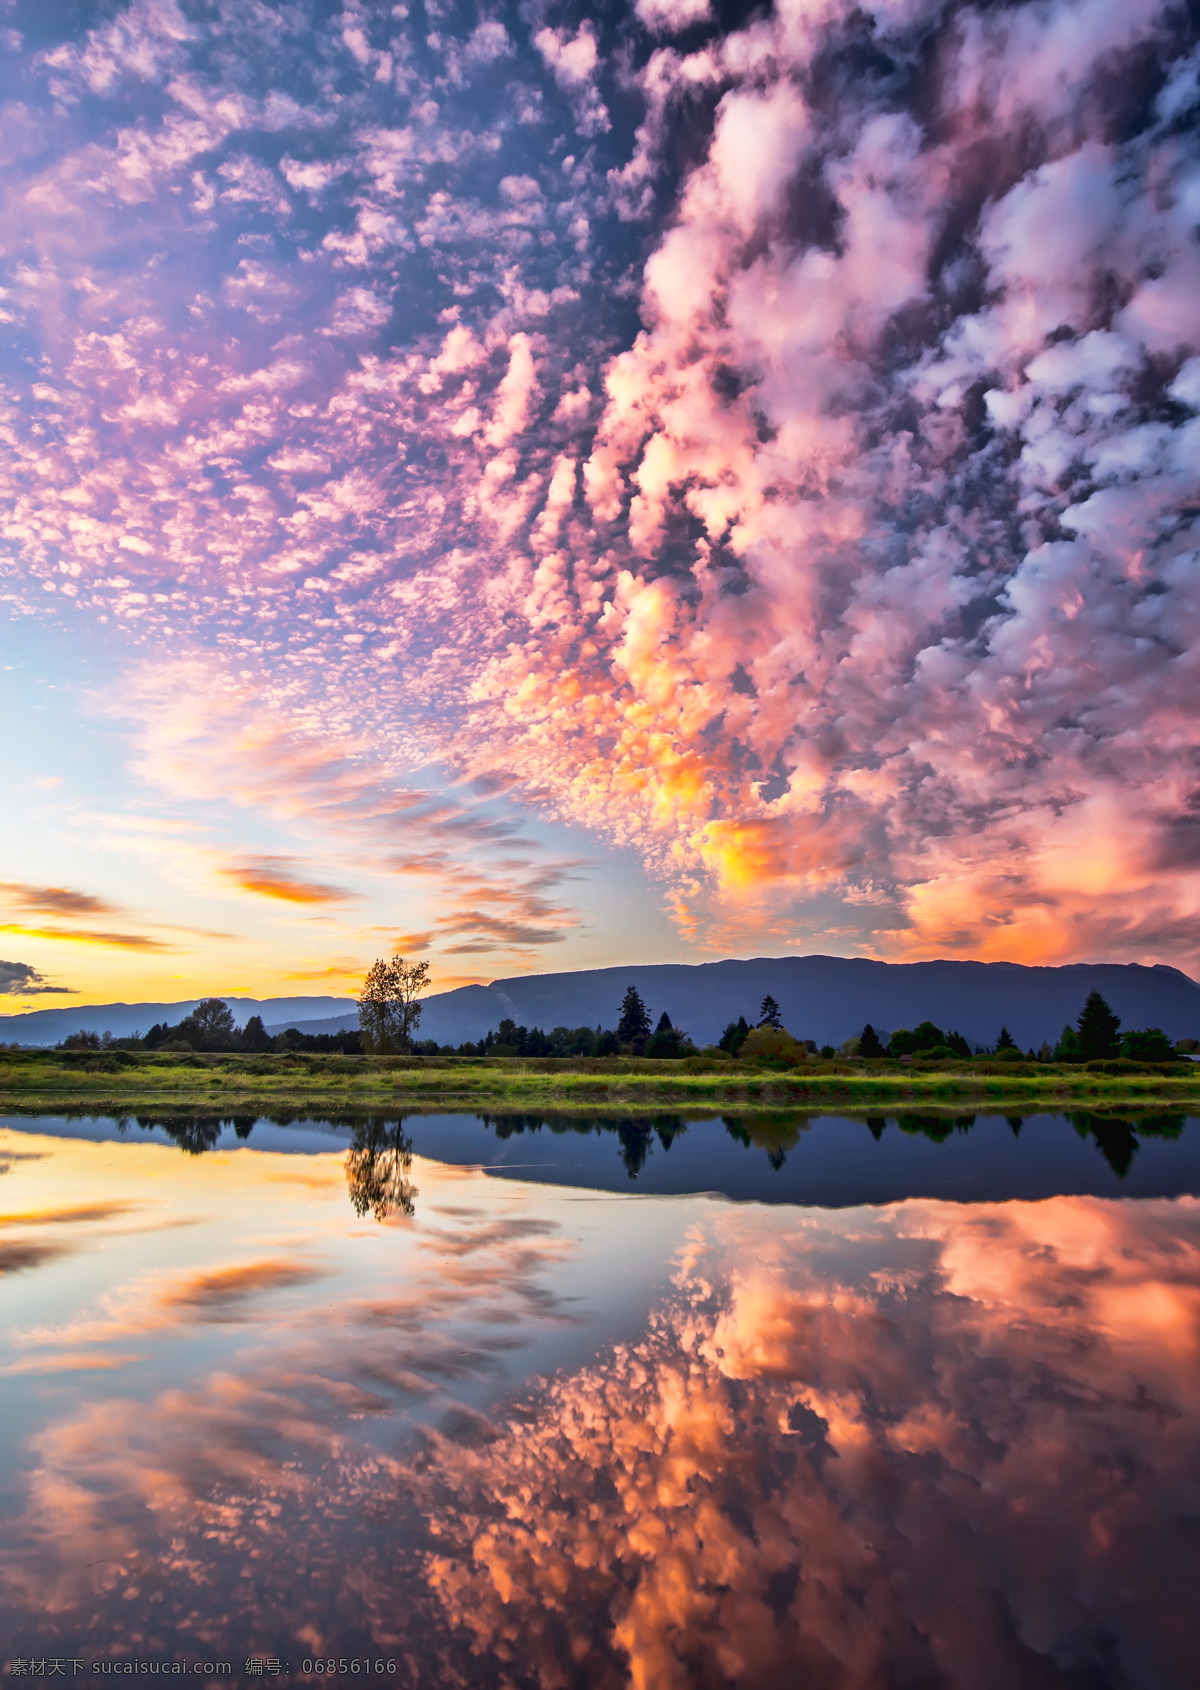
{"x":389,"y":1004}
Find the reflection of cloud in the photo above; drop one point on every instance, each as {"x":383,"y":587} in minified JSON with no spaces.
{"x":27,"y":1253}
{"x":70,"y":1361}
{"x":78,"y":1213}
{"x":918,"y":1449}
{"x":933,"y":1444}
{"x":217,"y":1293}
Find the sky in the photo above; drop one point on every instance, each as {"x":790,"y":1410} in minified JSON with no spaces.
{"x":541,"y":487}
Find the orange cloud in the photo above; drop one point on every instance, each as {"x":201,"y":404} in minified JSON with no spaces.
{"x":121,"y":941}
{"x":272,"y":877}
{"x":54,"y":900}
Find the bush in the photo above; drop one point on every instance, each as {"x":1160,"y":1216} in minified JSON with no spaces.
{"x":1149,"y":1044}
{"x":772,"y":1044}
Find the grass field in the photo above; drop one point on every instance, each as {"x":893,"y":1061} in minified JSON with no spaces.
{"x":136,"y":1082}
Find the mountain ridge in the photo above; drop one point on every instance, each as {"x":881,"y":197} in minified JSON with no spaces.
{"x":824,"y":998}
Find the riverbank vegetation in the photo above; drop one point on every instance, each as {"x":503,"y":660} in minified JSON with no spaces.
{"x":239,"y":1082}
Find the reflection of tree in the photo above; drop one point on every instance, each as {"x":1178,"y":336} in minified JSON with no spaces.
{"x":636,"y":1138}
{"x":936,"y":1127}
{"x":377,"y":1168}
{"x":194,"y":1134}
{"x":1117,"y":1140}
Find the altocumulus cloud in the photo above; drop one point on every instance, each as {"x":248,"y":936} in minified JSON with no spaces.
{"x":775,"y":447}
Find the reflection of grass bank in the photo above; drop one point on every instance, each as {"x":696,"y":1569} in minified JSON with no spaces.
{"x":129,"y":1082}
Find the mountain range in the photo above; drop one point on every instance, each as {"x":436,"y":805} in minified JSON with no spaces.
{"x":823,"y":998}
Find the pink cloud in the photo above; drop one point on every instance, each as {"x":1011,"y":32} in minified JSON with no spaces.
{"x":858,"y":598}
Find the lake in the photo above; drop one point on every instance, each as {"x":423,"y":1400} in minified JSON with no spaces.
{"x":469,"y":1400}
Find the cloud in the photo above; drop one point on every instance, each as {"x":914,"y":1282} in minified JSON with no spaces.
{"x":79,"y":936}
{"x":822,"y":528}
{"x":272,"y":877}
{"x":669,"y":16}
{"x":53,"y":900}
{"x":19,"y":979}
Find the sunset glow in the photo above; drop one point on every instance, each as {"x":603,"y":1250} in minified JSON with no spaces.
{"x":548,"y":487}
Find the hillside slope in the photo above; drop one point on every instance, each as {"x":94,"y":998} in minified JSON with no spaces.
{"x":823,"y":998}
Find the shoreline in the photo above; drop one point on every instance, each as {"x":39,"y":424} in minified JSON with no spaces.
{"x":125,"y":1082}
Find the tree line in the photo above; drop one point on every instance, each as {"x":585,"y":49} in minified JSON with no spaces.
{"x":211,"y":1027}
{"x":390,"y":1012}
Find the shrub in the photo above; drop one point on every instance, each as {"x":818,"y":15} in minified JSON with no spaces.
{"x":1147,"y":1044}
{"x":772,"y":1044}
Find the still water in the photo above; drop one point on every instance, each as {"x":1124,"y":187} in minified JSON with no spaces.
{"x":465,"y":1401}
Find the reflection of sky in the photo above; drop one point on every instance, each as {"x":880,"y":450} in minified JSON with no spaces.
{"x":537,"y":1436}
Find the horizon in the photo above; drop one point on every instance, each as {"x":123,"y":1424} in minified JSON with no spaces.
{"x":617,"y":968}
{"x":584,"y":488}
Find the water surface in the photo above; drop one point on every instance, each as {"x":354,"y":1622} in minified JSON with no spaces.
{"x":734,"y":1402}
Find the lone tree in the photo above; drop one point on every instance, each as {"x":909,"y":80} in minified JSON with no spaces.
{"x":869,"y":1042}
{"x":209,"y":1026}
{"x":1005,"y":1041}
{"x":1098,"y":1036}
{"x":634,"y":1025}
{"x":769,"y":1014}
{"x":389,"y":1004}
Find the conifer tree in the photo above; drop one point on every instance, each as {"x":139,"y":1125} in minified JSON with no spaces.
{"x":735,"y":1035}
{"x":869,"y":1042}
{"x":634,"y":1025}
{"x":1098,"y":1029}
{"x":1005,"y":1041}
{"x":769,"y":1013}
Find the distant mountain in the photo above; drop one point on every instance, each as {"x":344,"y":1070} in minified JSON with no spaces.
{"x":821,"y":997}
{"x":51,"y":1026}
{"x":829,"y":998}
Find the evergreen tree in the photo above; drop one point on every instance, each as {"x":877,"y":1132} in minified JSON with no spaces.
{"x":1005,"y":1041}
{"x":1098,"y":1035}
{"x":634,"y":1025}
{"x":735,"y":1035}
{"x":255,"y":1035}
{"x":668,"y":1042}
{"x":768,"y":1013}
{"x":869,"y":1042}
{"x":1067,"y":1049}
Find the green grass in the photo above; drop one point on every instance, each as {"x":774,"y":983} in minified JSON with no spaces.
{"x":123,"y":1082}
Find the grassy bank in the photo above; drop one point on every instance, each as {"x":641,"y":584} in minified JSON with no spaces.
{"x":137,"y":1082}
